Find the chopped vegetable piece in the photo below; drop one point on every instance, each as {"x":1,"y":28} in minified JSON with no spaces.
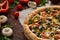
{"x":41,"y":28}
{"x":30,"y":21}
{"x":48,"y":11}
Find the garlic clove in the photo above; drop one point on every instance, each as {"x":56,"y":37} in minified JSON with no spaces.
{"x":32,"y":4}
{"x":7,"y":31}
{"x":3,"y":18}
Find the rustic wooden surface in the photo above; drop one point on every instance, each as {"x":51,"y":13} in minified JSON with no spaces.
{"x":17,"y":27}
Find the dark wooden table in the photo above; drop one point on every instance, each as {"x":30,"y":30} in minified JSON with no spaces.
{"x":17,"y":27}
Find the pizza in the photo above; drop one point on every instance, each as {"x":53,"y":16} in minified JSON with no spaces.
{"x":43,"y":23}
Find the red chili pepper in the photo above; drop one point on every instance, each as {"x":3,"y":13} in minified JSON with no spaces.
{"x":36,"y":24}
{"x":4,"y":7}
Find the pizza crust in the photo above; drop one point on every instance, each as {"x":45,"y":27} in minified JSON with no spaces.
{"x":27,"y":31}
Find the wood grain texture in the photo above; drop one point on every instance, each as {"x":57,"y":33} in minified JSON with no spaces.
{"x":17,"y":27}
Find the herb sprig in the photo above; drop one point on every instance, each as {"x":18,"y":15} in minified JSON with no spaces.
{"x":12,"y":5}
{"x":42,"y":2}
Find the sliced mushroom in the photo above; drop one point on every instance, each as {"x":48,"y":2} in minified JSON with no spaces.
{"x":32,"y":4}
{"x":3,"y":18}
{"x":7,"y":31}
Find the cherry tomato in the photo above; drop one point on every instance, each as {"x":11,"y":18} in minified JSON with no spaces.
{"x":19,"y":7}
{"x":16,"y":14}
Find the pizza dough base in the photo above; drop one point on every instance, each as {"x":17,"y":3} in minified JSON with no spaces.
{"x":27,"y":31}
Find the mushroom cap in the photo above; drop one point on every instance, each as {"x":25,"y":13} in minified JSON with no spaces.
{"x":32,"y":4}
{"x":3,"y":18}
{"x":7,"y":31}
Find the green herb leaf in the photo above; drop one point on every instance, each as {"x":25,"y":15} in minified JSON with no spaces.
{"x":31,"y":21}
{"x":4,"y":38}
{"x":6,"y":26}
{"x":16,"y":2}
{"x":42,"y":2}
{"x":12,"y":5}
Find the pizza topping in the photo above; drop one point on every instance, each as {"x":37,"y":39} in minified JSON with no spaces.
{"x":59,"y":11}
{"x":51,"y":39}
{"x":58,"y":30}
{"x":48,"y":11}
{"x":51,"y":34}
{"x":57,"y":36}
{"x":46,"y":24}
{"x":41,"y":29}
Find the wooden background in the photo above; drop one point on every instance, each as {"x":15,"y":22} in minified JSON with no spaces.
{"x":17,"y":27}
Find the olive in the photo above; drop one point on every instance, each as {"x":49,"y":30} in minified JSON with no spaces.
{"x":55,"y":8}
{"x":47,"y":11}
{"x":51,"y":34}
{"x":41,"y":28}
{"x":39,"y":13}
{"x":54,"y":11}
{"x":50,"y":19}
{"x":40,"y":22}
{"x":38,"y":34}
{"x":48,"y":23}
{"x":59,"y":28}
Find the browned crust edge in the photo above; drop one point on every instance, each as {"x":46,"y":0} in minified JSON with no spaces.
{"x":25,"y":26}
